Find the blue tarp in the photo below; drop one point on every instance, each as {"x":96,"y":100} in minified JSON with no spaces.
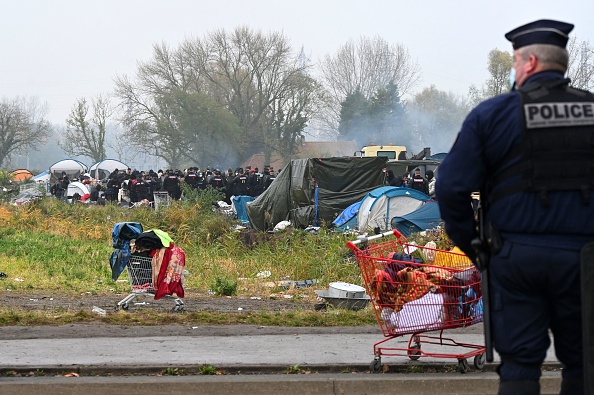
{"x":121,"y":235}
{"x":347,"y":215}
{"x":240,"y":202}
{"x":425,"y":217}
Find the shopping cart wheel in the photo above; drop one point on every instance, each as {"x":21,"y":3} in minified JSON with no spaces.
{"x":376,"y":365}
{"x":479,"y":361}
{"x":414,"y":352}
{"x":178,"y":308}
{"x":463,"y":365}
{"x":125,"y":306}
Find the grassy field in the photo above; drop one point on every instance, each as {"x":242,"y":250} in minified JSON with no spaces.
{"x":56,"y":247}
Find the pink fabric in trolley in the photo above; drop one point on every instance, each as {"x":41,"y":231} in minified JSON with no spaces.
{"x":168,"y":271}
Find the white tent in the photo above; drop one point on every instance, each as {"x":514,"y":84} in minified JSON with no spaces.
{"x":42,"y":177}
{"x":71,"y":167}
{"x":77,"y":187}
{"x":382,"y":204}
{"x":102,"y":169}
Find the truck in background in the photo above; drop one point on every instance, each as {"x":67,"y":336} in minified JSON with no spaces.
{"x":392,"y":152}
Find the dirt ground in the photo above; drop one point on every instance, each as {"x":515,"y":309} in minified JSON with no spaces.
{"x":193,"y":302}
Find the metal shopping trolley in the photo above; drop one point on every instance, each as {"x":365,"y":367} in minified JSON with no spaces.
{"x":415,"y":290}
{"x":161,"y":199}
{"x":140,"y":274}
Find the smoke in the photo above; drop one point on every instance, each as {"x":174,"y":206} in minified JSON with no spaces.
{"x":416,"y":129}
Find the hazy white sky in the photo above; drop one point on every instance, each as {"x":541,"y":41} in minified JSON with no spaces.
{"x":61,"y":50}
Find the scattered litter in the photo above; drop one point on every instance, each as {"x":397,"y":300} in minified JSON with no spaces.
{"x":255,"y":298}
{"x":51,"y":298}
{"x":298,"y":284}
{"x":72,"y":374}
{"x":281,"y":226}
{"x":263,"y":274}
{"x":288,"y":296}
{"x":140,"y":303}
{"x":34,"y":300}
{"x":195,"y":327}
{"x":98,"y":310}
{"x":121,"y":281}
{"x":240,"y":309}
{"x":20,"y":280}
{"x":344,"y":295}
{"x":3,"y":275}
{"x":312,"y":229}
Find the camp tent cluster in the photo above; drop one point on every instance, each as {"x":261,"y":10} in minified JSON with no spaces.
{"x":347,"y":192}
{"x":74,"y":168}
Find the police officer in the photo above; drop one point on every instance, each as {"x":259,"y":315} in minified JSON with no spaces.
{"x":514,"y":149}
{"x":419,"y":183}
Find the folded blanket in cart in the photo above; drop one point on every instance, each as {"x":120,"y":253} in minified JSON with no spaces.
{"x":423,"y":314}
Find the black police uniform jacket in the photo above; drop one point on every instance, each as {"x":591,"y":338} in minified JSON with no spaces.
{"x":490,"y":132}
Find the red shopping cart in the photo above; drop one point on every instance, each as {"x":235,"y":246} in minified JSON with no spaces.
{"x":415,"y":290}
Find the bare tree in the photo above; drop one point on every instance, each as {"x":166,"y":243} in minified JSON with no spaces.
{"x":242,"y":72}
{"x":85,"y":133}
{"x":499,"y":64}
{"x":366,"y":65}
{"x":22,"y":126}
{"x":581,"y":64}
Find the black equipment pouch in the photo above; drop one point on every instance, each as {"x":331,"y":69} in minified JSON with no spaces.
{"x":494,"y":241}
{"x":587,"y":279}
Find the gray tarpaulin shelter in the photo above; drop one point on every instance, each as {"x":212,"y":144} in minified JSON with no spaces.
{"x":314,"y":191}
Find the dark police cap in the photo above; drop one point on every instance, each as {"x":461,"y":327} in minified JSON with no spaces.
{"x":544,"y":31}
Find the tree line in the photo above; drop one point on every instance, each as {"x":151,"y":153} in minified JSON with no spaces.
{"x":231,"y":94}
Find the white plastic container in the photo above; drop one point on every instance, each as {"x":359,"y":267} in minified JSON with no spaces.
{"x":345,"y":291}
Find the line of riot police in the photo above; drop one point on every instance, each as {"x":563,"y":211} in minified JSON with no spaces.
{"x":138,"y":186}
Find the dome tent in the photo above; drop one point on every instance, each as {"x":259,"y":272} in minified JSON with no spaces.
{"x":102,"y":169}
{"x":20,"y":175}
{"x":72,"y":167}
{"x":382,"y":204}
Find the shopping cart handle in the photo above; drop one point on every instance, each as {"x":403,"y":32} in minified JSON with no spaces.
{"x":364,"y":239}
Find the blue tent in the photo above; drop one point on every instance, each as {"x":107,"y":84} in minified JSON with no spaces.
{"x":382,"y":204}
{"x":348,"y":218}
{"x":425,"y":217}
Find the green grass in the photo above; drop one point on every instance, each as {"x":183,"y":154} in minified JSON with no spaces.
{"x":59,"y":248}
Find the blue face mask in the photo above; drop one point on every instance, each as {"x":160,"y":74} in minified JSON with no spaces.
{"x":512,"y":79}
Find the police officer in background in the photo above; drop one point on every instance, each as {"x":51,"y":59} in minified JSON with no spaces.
{"x":515,"y":149}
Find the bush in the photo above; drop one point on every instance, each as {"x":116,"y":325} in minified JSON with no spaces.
{"x":224,"y":287}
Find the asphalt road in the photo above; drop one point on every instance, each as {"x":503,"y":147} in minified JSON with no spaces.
{"x":248,"y":360}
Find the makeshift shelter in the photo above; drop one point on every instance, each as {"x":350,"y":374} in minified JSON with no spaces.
{"x":71,"y":167}
{"x":102,"y":169}
{"x":425,"y":217}
{"x":315,"y":190}
{"x":20,"y":175}
{"x":384,"y":203}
